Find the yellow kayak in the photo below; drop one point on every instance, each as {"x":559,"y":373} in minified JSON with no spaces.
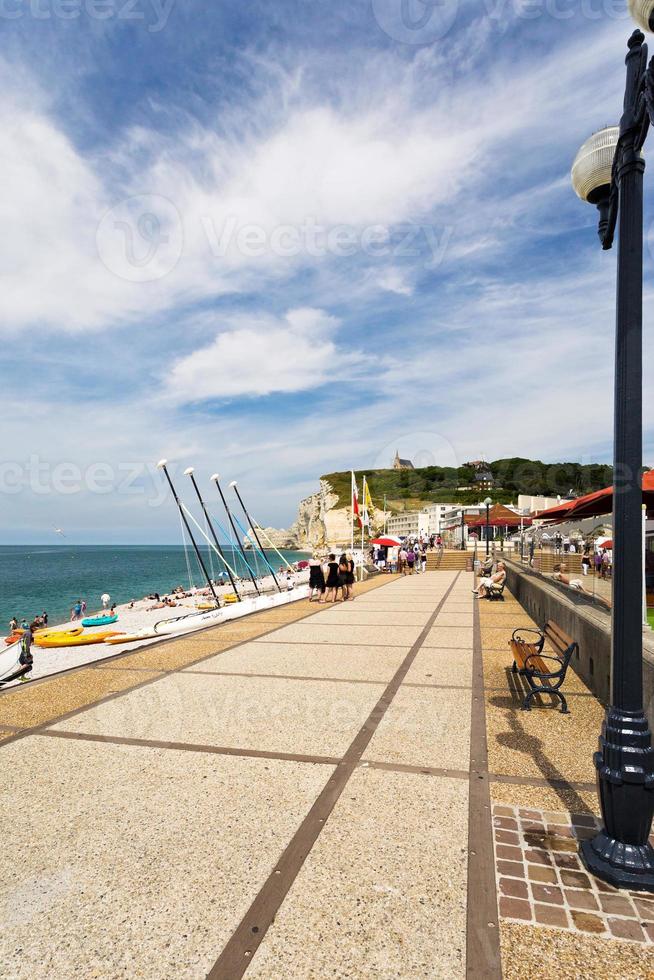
{"x":47,"y":632}
{"x":66,"y":640}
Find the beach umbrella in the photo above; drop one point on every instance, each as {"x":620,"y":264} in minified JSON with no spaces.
{"x":387,"y":542}
{"x":303,"y":564}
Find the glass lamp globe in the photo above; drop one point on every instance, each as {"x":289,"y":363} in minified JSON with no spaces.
{"x":642,"y":12}
{"x":591,"y":170}
{"x":488,"y":501}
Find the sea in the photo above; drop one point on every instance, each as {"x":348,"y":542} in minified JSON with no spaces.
{"x":34,"y":578}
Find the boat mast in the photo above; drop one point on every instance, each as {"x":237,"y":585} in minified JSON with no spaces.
{"x":254,"y":531}
{"x":162,"y":465}
{"x":216,"y":480}
{"x":189,"y":472}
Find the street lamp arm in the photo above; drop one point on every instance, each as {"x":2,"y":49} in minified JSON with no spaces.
{"x":634,"y":126}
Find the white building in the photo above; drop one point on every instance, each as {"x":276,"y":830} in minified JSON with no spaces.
{"x":530,"y":505}
{"x":419,"y":523}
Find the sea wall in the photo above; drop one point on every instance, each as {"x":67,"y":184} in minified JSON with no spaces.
{"x":587,"y":623}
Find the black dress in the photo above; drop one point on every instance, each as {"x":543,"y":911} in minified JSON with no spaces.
{"x":316,"y":578}
{"x":349,"y":577}
{"x":332,"y":575}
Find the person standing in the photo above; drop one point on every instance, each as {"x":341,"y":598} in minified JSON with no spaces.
{"x":316,"y":580}
{"x":350,"y":576}
{"x":411,"y":559}
{"x":401,"y":561}
{"x":76,"y":611}
{"x":423,"y":559}
{"x":106,"y":600}
{"x":343,"y":569}
{"x":332,"y":578}
{"x":26,"y":659}
{"x":585,"y":561}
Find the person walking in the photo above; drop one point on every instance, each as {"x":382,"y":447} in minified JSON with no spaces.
{"x":411,"y":559}
{"x":423,"y":559}
{"x":585,"y":561}
{"x":76,"y":611}
{"x":401,"y":561}
{"x":316,"y":581}
{"x":332,"y":578}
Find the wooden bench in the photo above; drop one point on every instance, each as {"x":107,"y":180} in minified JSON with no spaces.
{"x":544,"y":672}
{"x":496,"y":592}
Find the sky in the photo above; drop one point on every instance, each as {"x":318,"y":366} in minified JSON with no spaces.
{"x":275,"y":240}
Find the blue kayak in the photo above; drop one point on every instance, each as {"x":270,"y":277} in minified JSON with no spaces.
{"x":100,"y":621}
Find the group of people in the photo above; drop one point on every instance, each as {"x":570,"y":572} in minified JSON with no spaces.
{"x":329,"y":577}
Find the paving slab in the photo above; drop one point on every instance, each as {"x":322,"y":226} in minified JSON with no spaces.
{"x":383,"y":892}
{"x":425,"y":727}
{"x":367,"y":663}
{"x":436,"y":665}
{"x":137,"y":862}
{"x":310,"y":632}
{"x":298,"y":717}
{"x":449,"y":636}
{"x":31,"y":705}
{"x":353,"y":615}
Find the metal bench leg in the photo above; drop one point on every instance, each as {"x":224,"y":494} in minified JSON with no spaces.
{"x":526,"y":704}
{"x":564,"y":703}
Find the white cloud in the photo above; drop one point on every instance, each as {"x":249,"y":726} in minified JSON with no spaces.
{"x":262,"y":355}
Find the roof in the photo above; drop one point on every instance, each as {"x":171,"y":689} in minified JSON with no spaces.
{"x":595,"y":504}
{"x":498,"y":516}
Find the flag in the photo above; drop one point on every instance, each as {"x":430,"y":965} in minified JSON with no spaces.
{"x":369,"y":506}
{"x":355,"y":502}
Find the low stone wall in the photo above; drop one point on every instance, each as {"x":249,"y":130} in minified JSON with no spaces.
{"x":586,"y":623}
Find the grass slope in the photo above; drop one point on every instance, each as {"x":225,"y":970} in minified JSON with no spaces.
{"x":412,"y":489}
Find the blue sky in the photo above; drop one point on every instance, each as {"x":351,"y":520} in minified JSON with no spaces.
{"x":276,"y":240}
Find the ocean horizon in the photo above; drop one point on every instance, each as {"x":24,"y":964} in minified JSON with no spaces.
{"x":53,"y":577}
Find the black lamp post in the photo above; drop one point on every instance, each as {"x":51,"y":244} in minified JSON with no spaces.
{"x":608,"y":172}
{"x":487,"y":503}
{"x":463,"y":529}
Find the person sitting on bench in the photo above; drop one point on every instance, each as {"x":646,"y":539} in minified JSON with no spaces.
{"x":493,"y":581}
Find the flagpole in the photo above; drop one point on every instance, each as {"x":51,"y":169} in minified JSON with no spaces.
{"x":363,"y":524}
{"x":352,"y":505}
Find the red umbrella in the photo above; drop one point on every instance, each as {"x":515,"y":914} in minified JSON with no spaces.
{"x":387,"y":542}
{"x":303,"y":564}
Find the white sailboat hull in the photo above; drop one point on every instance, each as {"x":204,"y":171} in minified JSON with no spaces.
{"x":237,"y":610}
{"x":10,"y":660}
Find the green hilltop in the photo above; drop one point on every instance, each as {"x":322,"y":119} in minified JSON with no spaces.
{"x":408,"y":489}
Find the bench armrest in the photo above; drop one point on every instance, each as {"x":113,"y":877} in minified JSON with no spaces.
{"x":526,"y":629}
{"x":538,"y":673}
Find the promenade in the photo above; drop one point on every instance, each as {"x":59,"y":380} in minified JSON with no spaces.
{"x":319,"y":791}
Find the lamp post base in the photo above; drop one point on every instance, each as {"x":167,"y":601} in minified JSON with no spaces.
{"x":621,"y":853}
{"x":622,"y":865}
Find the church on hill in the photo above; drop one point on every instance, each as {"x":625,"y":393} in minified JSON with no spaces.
{"x":402,"y":464}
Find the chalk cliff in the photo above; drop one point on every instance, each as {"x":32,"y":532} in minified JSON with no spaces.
{"x":320,"y":523}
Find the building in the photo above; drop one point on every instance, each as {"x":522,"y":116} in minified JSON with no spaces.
{"x":419,"y":523}
{"x":534,"y":504}
{"x":402,"y":464}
